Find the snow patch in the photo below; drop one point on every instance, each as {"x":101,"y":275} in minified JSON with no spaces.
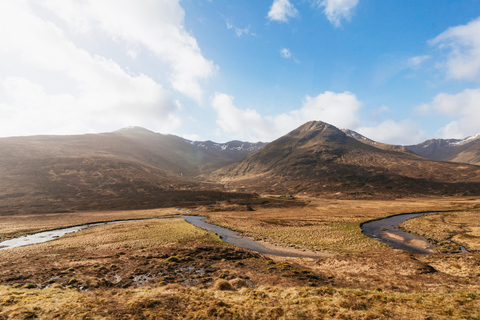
{"x":460,"y":142}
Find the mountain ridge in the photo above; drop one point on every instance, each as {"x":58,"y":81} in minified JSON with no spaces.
{"x":136,"y":168}
{"x":132,"y":168}
{"x":319,"y":158}
{"x":453,"y":150}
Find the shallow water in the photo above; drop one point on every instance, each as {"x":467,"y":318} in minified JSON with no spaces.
{"x":53,"y":234}
{"x":232,"y":237}
{"x":226,"y":235}
{"x":378,"y":229}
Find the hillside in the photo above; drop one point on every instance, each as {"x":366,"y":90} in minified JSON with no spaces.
{"x":318,"y":158}
{"x":129,"y":168}
{"x":454,"y":150}
{"x":376,"y":144}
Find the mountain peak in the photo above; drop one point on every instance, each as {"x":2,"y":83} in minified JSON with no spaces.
{"x":314,"y":132}
{"x":135,"y":129}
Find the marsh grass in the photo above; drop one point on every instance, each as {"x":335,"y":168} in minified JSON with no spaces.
{"x":90,"y":274}
{"x":18,"y":225}
{"x":325,"y":225}
{"x":115,"y":238}
{"x":461,"y":227}
{"x":174,"y":302}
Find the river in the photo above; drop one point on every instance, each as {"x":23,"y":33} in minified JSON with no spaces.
{"x":385,"y":230}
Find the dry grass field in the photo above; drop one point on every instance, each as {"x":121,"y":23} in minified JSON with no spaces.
{"x":178,"y":302}
{"x":18,"y":225}
{"x":324,"y":225}
{"x":169,"y":269}
{"x":447,"y":230}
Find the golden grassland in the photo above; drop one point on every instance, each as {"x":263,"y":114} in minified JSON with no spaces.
{"x":414,"y":291}
{"x":169,"y":269}
{"x":174,"y":302}
{"x":119,"y":237}
{"x":447,"y":229}
{"x":12,"y":226}
{"x":325,"y":225}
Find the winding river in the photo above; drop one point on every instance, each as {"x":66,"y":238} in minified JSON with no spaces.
{"x":385,"y":230}
{"x":226,"y":235}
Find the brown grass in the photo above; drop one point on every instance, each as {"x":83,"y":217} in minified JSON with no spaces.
{"x":461,"y":227}
{"x":325,"y":225}
{"x":18,"y":225}
{"x":175,"y":302}
{"x":169,"y":269}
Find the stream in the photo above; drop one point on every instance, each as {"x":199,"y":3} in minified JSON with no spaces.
{"x":226,"y":235}
{"x":50,"y":235}
{"x":388,"y":231}
{"x":385,"y":230}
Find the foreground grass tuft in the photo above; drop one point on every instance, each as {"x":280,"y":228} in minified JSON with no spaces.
{"x":173,"y":301}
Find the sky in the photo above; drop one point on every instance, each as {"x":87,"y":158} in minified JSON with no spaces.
{"x":397,"y":72}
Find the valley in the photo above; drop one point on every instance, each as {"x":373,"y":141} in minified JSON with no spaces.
{"x":304,"y":197}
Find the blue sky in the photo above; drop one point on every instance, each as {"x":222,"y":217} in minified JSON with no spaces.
{"x":396,"y":71}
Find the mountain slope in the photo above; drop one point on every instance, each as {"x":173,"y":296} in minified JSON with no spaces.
{"x":389,"y":147}
{"x":454,"y":150}
{"x":319,"y":158}
{"x":129,"y":168}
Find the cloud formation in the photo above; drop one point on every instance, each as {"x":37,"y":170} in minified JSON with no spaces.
{"x":241,"y":31}
{"x":285,"y":53}
{"x":403,"y":132}
{"x":51,"y":85}
{"x":463,"y":107}
{"x":339,"y":109}
{"x":156,"y":25}
{"x":337,"y":10}
{"x":463,"y":46}
{"x":416,"y":62}
{"x":281,"y":11}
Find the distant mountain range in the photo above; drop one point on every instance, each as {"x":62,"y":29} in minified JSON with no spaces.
{"x":321,"y":159}
{"x":137,"y":168}
{"x":464,"y":151}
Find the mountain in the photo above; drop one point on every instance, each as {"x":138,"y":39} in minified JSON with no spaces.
{"x":318,"y":158}
{"x":384,"y":146}
{"x":128,"y":168}
{"x":134,"y":168}
{"x":455,"y":150}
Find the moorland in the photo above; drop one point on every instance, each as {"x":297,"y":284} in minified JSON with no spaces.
{"x":309,"y":190}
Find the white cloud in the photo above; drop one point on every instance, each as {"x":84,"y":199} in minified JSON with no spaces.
{"x":281,"y":11}
{"x":156,"y":25}
{"x":416,"y":62}
{"x":463,"y":44}
{"x":336,"y":10}
{"x":463,"y":107}
{"x":60,"y":88}
{"x":241,"y":31}
{"x":285,"y":53}
{"x":395,"y":132}
{"x":338,"y":109}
